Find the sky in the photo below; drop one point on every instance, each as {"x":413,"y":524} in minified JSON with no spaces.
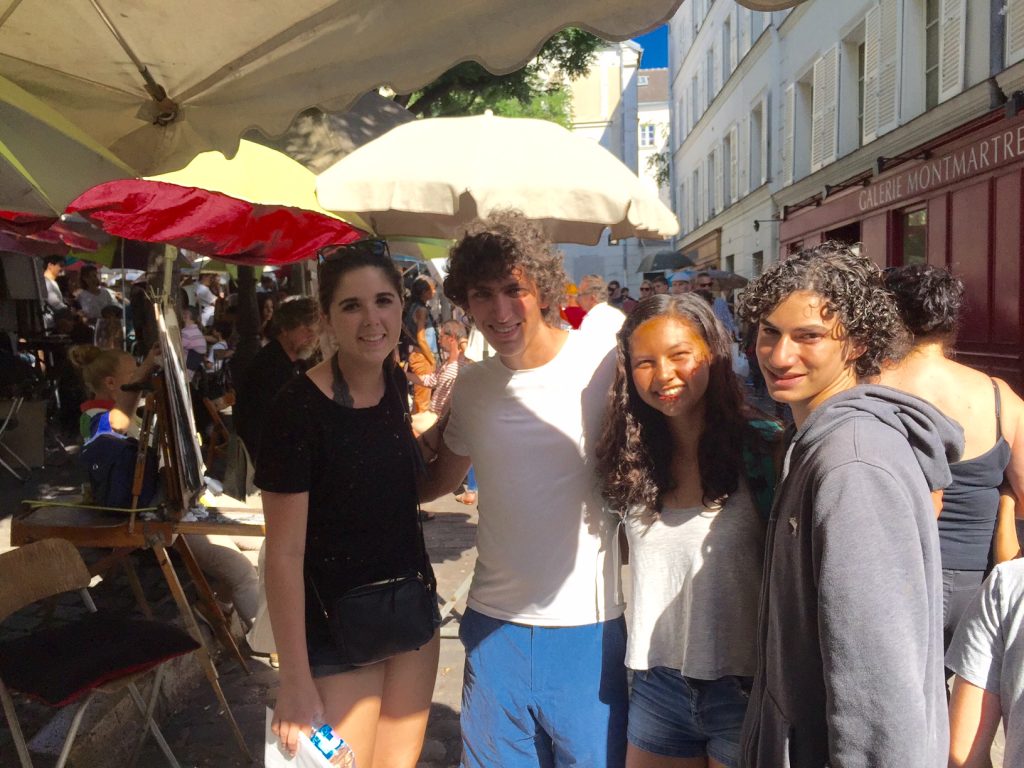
{"x":655,"y":46}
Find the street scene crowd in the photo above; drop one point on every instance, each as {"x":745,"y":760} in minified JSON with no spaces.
{"x":762,"y":518}
{"x":830,"y":579}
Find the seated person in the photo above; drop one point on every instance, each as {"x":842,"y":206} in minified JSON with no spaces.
{"x":110,"y":328}
{"x":110,"y":452}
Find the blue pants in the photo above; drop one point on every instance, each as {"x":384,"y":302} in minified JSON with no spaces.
{"x":541,"y":697}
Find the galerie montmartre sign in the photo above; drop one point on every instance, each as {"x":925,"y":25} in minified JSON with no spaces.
{"x":990,"y":152}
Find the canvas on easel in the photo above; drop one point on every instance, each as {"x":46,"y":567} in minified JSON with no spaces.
{"x":185,"y":461}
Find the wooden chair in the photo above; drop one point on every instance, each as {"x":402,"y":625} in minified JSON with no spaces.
{"x":217,"y":443}
{"x":73,"y":663}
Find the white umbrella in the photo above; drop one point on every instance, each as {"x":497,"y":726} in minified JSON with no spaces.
{"x":430,"y":178}
{"x":158,"y":81}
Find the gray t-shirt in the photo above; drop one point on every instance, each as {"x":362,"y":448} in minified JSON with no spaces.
{"x":696,"y":579}
{"x":988,"y":649}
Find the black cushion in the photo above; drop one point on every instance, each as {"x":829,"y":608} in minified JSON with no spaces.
{"x":58,"y":665}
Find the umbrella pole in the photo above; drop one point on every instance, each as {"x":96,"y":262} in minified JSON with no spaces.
{"x":170,"y":254}
{"x":124,"y":295}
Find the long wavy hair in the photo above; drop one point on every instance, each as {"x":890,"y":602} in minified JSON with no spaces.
{"x":635,"y":451}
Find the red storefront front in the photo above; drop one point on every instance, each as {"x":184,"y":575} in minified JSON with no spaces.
{"x":956,"y":202}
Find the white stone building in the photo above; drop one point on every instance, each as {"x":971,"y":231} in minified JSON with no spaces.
{"x":896,"y":124}
{"x":606,"y":108}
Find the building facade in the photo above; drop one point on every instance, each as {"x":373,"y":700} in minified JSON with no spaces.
{"x":893,"y":124}
{"x":619,"y":105}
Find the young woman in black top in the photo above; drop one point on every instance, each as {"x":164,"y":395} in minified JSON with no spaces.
{"x":338,"y":472}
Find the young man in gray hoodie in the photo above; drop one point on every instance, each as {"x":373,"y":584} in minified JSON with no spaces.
{"x":850,"y":667}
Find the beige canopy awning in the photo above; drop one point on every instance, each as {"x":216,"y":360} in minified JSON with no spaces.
{"x":157,"y":81}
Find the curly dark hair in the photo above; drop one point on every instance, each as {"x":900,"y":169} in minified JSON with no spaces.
{"x":929,"y":299}
{"x":852,"y":288}
{"x":494,"y":247}
{"x":634,"y":454}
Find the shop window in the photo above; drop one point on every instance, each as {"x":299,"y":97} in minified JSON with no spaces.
{"x":847,"y":235}
{"x":756,"y":263}
{"x":914,"y":236}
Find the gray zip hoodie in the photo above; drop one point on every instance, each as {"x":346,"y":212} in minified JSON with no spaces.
{"x":850,"y":665}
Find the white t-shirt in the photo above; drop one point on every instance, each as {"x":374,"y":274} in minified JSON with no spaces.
{"x":207,"y":300}
{"x":987,"y":649}
{"x":93,"y":303}
{"x":696,"y":582}
{"x":544,"y":541}
{"x":603,"y":319}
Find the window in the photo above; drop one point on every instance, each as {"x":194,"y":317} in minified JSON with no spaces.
{"x":755,"y":163}
{"x":694,"y":101}
{"x":683,"y":209}
{"x":711,"y":185}
{"x":756,"y":25}
{"x":695,"y":198}
{"x":729,"y":262}
{"x":647,"y":135}
{"x":931,"y":53}
{"x":710,"y":85}
{"x":756,"y":263}
{"x":914,"y":236}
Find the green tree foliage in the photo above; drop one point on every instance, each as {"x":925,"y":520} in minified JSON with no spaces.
{"x":535,"y":90}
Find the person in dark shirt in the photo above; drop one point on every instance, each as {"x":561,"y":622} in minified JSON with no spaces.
{"x":338,"y":469}
{"x":274,"y":366}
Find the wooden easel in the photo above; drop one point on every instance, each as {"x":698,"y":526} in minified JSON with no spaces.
{"x":155,"y":413}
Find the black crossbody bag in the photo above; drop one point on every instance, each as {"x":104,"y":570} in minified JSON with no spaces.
{"x":373,"y":622}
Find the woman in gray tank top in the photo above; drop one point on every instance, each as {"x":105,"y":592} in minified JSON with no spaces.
{"x":689,"y":469}
{"x":973,"y":534}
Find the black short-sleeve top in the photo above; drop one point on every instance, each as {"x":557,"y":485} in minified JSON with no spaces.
{"x":358,"y":466}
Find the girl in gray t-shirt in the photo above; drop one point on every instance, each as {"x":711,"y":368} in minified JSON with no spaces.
{"x":687,"y":465}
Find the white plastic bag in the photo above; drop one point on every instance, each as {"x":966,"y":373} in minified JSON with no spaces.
{"x":307,"y":756}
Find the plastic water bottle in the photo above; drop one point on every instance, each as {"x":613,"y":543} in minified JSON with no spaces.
{"x":333,"y":747}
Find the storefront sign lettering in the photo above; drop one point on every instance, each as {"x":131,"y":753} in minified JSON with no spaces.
{"x":983,"y":155}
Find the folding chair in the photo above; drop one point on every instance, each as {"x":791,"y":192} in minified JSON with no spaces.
{"x":73,"y":663}
{"x":10,"y":422}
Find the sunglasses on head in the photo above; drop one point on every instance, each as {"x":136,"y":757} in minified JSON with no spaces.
{"x":372,"y":247}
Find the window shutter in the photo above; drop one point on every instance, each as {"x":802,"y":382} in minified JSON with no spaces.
{"x":743,"y":25}
{"x":889,"y":66}
{"x":951,"y":48}
{"x":719,"y":179}
{"x":766,"y":120}
{"x":746,"y":142}
{"x":823,"y":109}
{"x":1014,"y":31}
{"x":734,"y":45}
{"x":789,"y":126}
{"x":872,"y":34}
{"x":734,"y":164}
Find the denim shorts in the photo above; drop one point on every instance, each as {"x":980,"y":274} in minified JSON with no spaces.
{"x":676,"y":716}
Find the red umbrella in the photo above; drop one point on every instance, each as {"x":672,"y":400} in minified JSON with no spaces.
{"x":210,"y":223}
